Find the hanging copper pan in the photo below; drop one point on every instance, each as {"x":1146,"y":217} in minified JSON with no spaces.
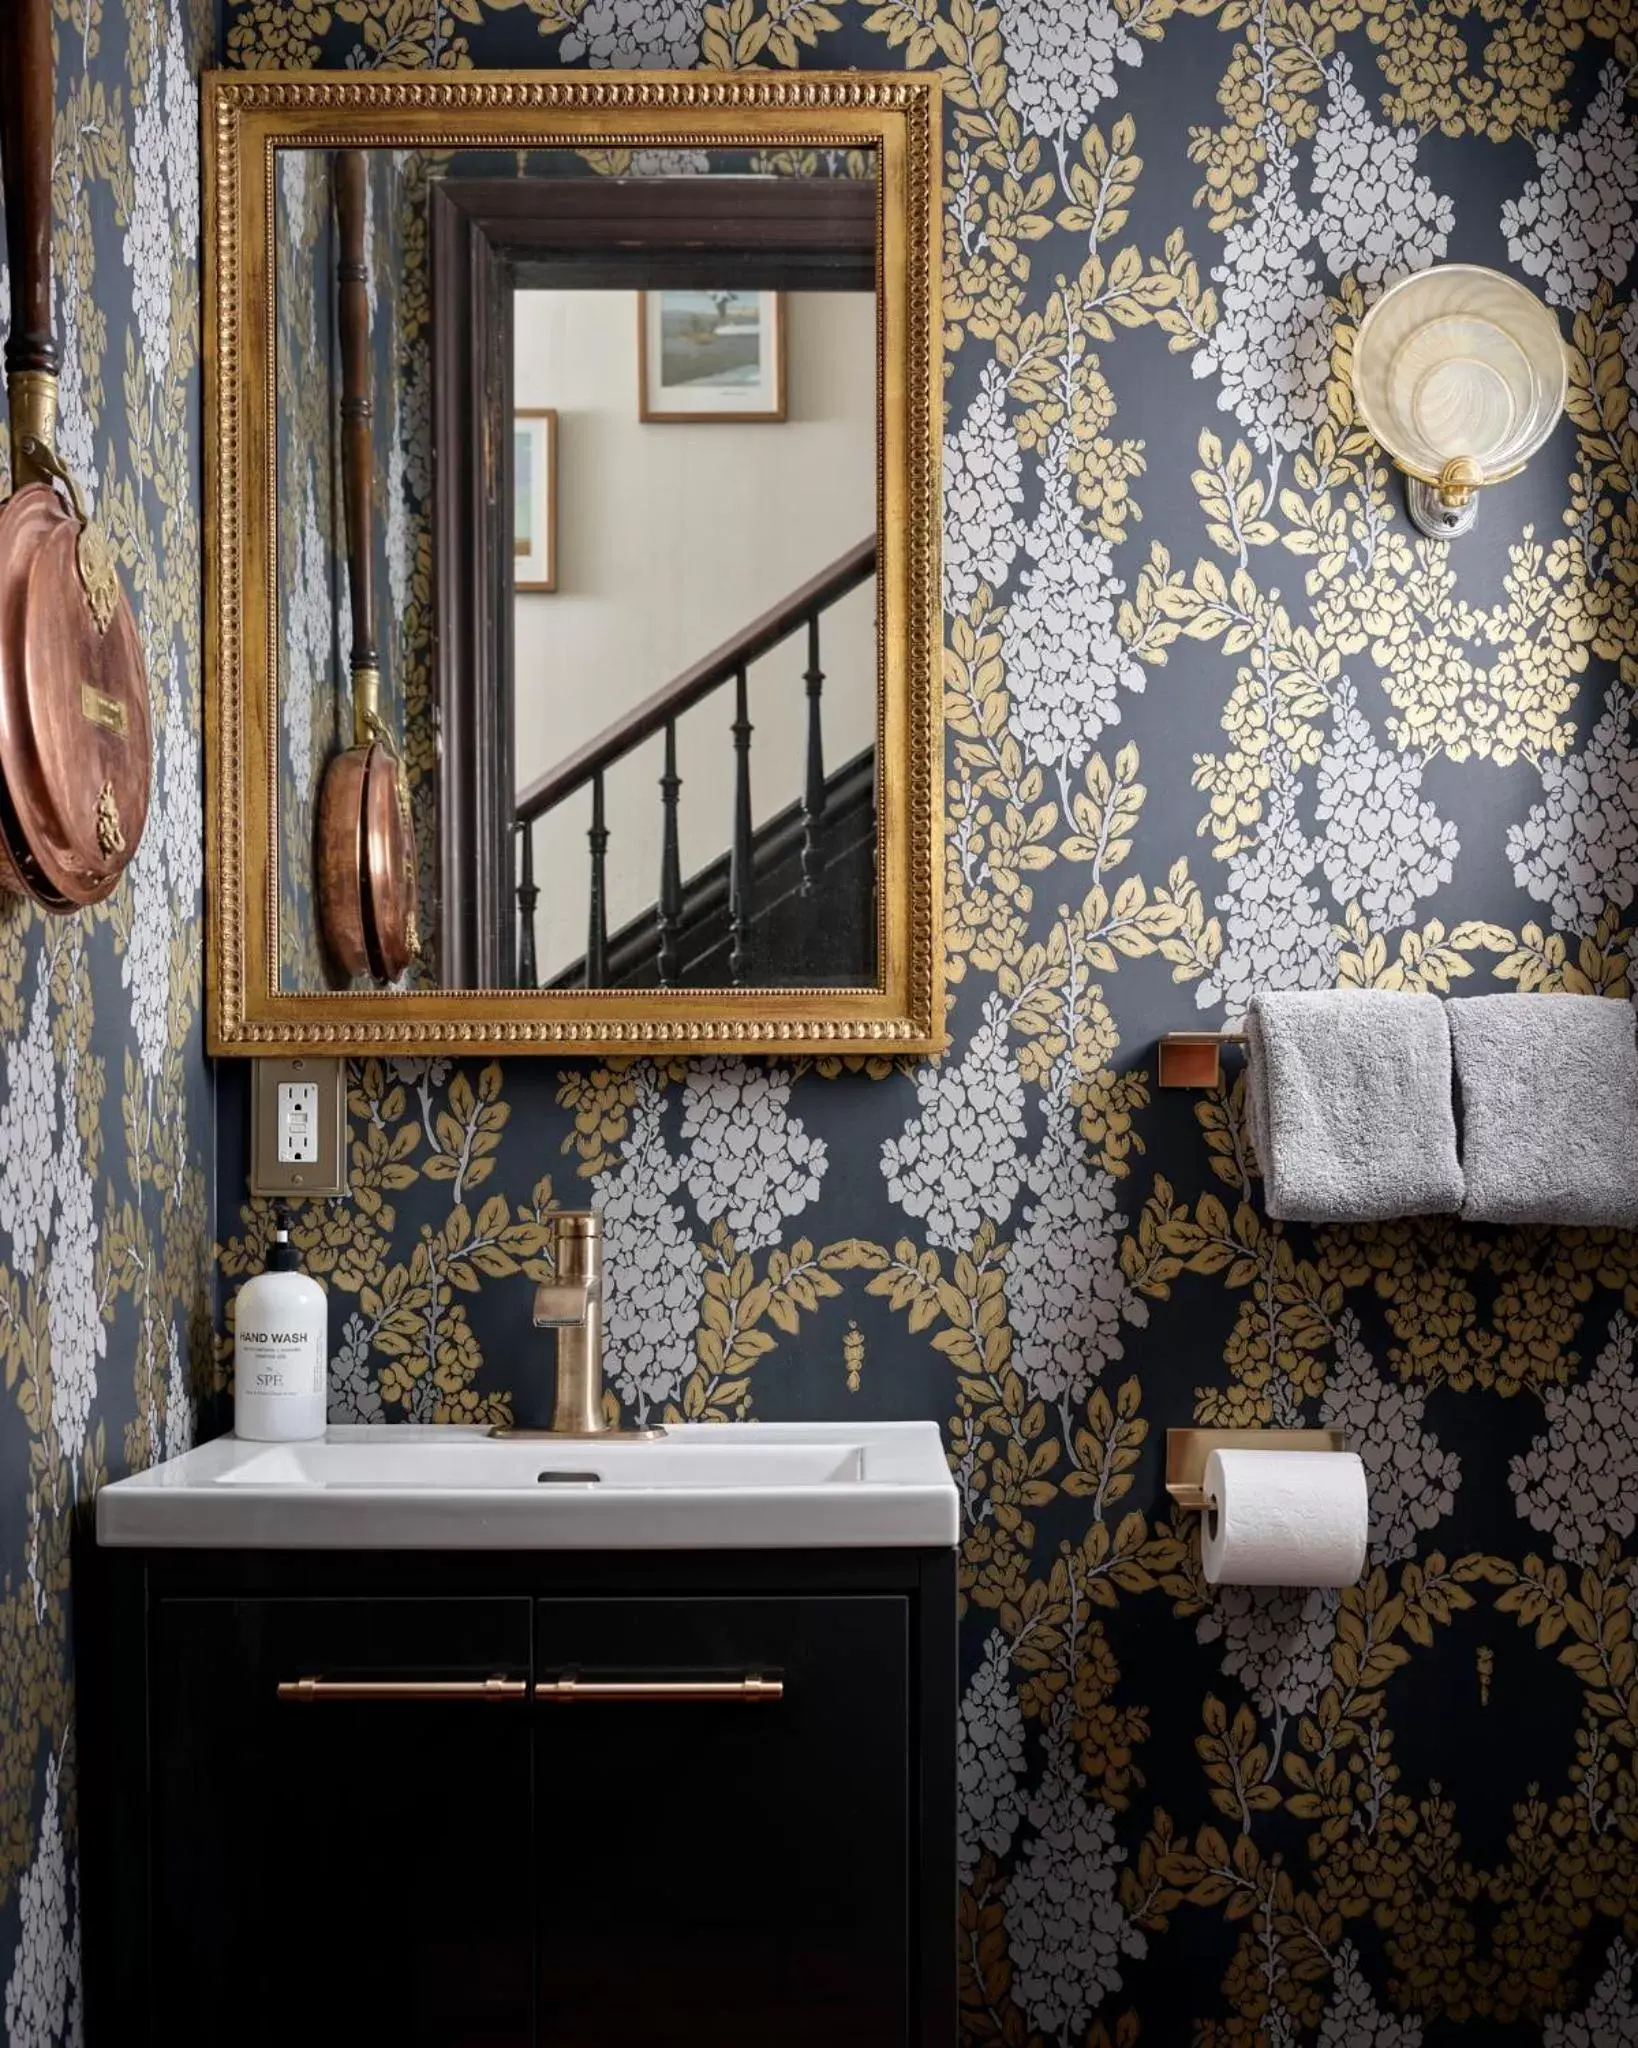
{"x":366,"y":841}
{"x":76,"y":740}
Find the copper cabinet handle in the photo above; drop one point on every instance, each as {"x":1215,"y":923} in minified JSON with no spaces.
{"x":403,"y":1689}
{"x":747,"y":1691}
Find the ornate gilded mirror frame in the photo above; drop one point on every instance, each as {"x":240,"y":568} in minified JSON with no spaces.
{"x":247,"y":118}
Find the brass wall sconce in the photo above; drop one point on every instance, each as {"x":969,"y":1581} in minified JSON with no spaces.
{"x":1460,"y":373}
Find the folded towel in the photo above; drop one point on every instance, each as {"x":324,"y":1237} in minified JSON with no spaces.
{"x":1549,"y":1108}
{"x":1350,"y":1103}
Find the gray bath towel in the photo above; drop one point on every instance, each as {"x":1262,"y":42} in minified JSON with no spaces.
{"x":1350,"y":1102}
{"x":1549,"y":1108}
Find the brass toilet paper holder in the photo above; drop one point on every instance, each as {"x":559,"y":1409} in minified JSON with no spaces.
{"x":1188,"y":1449}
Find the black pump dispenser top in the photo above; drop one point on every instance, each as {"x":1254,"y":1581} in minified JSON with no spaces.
{"x":282,"y":1256}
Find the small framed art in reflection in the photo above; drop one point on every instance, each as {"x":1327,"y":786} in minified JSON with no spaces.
{"x":534,"y":487}
{"x":711,"y":355}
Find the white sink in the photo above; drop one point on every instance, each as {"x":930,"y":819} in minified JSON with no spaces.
{"x":735,"y":1486}
{"x":484,"y":1465}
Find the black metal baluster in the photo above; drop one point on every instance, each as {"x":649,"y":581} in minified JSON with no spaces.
{"x":528,"y":897}
{"x":597,"y":937}
{"x":813,"y":800}
{"x":740,"y":883}
{"x":670,"y":912}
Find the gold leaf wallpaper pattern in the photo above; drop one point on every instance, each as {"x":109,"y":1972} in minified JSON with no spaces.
{"x":106,"y":1109}
{"x":1218,"y":720}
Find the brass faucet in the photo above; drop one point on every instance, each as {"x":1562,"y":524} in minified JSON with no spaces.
{"x":571,"y":1303}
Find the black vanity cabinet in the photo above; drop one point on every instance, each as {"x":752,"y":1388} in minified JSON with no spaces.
{"x":521,"y":1801}
{"x":356,"y":1866}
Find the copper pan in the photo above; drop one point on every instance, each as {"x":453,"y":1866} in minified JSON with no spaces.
{"x":76,"y":739}
{"x":366,"y":858}
{"x":366,"y":841}
{"x":341,"y":860}
{"x":389,"y":861}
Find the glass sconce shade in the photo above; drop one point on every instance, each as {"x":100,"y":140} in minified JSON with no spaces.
{"x":1461,"y":374}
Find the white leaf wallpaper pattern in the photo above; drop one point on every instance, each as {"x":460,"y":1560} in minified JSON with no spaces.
{"x":1576,"y":224}
{"x":1218,"y":720}
{"x":106,"y":1101}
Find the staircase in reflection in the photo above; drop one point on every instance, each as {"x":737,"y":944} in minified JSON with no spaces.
{"x":788,"y":903}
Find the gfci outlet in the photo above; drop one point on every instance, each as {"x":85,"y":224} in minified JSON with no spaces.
{"x":296,"y":1123}
{"x":298,"y":1128}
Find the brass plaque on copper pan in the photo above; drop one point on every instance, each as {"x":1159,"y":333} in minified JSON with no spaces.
{"x":108,"y":712}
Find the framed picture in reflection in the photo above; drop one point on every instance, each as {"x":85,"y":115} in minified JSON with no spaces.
{"x":711,"y":355}
{"x":534,"y":486}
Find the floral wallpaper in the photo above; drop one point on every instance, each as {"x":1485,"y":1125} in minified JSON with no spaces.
{"x":1219,"y":720}
{"x":106,"y":1105}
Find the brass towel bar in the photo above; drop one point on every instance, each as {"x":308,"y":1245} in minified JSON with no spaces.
{"x":1193,"y":1059}
{"x":550,"y":1691}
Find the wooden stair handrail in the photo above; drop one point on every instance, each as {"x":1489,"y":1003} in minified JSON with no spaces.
{"x":846,"y":573}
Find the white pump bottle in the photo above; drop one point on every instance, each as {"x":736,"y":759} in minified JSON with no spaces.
{"x":281,"y":1348}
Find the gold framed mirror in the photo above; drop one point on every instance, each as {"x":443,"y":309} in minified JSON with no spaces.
{"x":572,"y":470}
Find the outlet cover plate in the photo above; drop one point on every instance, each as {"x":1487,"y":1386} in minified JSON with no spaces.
{"x":325,"y":1173}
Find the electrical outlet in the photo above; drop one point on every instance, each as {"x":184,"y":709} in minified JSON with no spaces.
{"x":297,"y":1123}
{"x":298,"y":1128}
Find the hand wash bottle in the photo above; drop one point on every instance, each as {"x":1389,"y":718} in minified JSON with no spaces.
{"x":281,"y":1348}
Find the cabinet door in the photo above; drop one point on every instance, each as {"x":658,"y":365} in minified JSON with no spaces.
{"x":331,"y":1869}
{"x":718,"y":1872}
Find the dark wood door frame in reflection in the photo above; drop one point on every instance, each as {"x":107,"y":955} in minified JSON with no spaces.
{"x":491,"y":237}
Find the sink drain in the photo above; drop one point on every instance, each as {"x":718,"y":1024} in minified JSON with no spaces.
{"x":567,"y":1478}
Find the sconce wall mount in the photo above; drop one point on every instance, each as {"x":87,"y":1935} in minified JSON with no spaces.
{"x":1460,"y":372}
{"x":1444,"y":509}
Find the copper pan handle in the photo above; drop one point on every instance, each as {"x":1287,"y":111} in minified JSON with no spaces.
{"x":357,"y":412}
{"x":27,"y":104}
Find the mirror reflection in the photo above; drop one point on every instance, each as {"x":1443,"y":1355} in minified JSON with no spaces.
{"x":618,"y":559}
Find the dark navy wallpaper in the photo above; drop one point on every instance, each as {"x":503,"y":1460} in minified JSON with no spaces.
{"x":106,"y":1100}
{"x":1219,"y":720}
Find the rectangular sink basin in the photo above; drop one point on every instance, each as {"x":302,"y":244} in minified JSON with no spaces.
{"x":486,"y":1465}
{"x":408,"y":1487}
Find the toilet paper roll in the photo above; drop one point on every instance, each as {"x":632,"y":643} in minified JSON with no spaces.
{"x":1284,"y":1518}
